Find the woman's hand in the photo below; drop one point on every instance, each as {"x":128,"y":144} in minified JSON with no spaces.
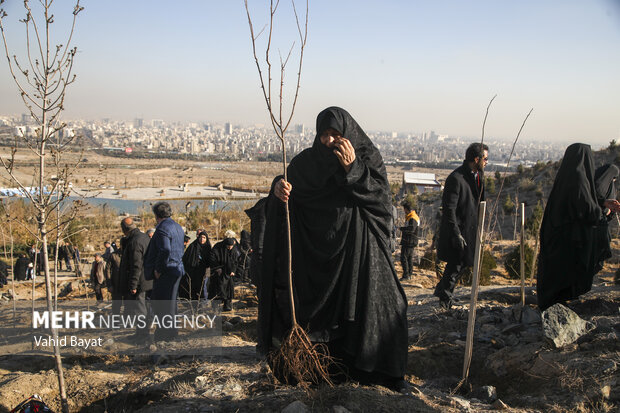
{"x":612,"y":204}
{"x":345,"y":152}
{"x":282,"y":190}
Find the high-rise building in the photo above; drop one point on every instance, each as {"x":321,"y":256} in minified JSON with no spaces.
{"x":138,"y":123}
{"x":228,"y":128}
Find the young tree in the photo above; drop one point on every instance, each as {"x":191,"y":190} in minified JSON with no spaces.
{"x":297,"y":357}
{"x":42,"y":78}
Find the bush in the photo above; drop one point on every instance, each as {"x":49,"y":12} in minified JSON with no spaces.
{"x":532,"y":223}
{"x":488,"y":263}
{"x":512,"y":263}
{"x":427,"y":262}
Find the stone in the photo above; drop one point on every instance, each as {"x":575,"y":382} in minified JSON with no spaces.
{"x":487,"y":394}
{"x":296,"y":407}
{"x":339,"y":409}
{"x":562,"y":326}
{"x":530,"y":316}
{"x":486,"y":319}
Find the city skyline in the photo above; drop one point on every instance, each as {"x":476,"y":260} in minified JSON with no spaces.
{"x":403,"y":66}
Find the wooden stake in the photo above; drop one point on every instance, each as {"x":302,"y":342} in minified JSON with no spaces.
{"x":522,"y":254}
{"x":474,"y":293}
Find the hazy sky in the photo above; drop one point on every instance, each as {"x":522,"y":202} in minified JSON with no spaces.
{"x":402,"y":65}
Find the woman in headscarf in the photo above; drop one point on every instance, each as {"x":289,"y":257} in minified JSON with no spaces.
{"x":224,"y":263}
{"x":195,"y":262}
{"x":569,"y":247}
{"x":346,"y":290}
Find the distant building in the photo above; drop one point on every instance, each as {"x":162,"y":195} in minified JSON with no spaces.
{"x":138,"y":123}
{"x":423,"y":182}
{"x":228,"y":128}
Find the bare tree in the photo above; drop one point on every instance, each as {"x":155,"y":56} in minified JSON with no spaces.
{"x":42,"y":79}
{"x":297,"y":357}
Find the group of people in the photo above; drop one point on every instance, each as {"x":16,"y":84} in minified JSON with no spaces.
{"x":344,"y":284}
{"x":156,"y":268}
{"x":28,"y":265}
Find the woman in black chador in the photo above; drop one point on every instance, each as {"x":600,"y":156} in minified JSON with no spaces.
{"x":195,"y":262}
{"x":224,"y":262}
{"x":570,"y":247}
{"x":347,"y":294}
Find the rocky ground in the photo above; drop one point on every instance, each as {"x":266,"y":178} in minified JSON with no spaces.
{"x":514,"y":368}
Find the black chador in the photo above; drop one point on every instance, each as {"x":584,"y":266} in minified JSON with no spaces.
{"x":224,"y":261}
{"x":346,"y":289}
{"x":195,"y":262}
{"x":569,"y":250}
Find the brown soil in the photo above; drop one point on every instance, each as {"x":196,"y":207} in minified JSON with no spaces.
{"x":528,"y":373}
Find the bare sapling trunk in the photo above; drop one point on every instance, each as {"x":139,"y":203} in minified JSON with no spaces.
{"x":42,"y":78}
{"x":297,"y":360}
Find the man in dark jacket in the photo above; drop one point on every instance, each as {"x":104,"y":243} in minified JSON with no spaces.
{"x":113,"y":275}
{"x":163,"y":263}
{"x":132,"y":270}
{"x":408,"y":240}
{"x":462,"y":194}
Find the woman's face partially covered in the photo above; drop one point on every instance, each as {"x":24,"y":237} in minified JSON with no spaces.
{"x":329,"y":137}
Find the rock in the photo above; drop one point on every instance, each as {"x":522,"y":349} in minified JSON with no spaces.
{"x":296,"y":407}
{"x":201,"y":381}
{"x":499,"y":405}
{"x":487,"y":394}
{"x":530,"y":316}
{"x":512,"y":328}
{"x":562,"y":326}
{"x":340,"y":409}
{"x":67,"y":288}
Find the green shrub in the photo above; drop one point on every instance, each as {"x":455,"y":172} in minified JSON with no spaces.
{"x":488,"y":263}
{"x":512,"y":263}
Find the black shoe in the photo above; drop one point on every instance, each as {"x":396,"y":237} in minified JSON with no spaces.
{"x":445,"y":304}
{"x":405,"y":278}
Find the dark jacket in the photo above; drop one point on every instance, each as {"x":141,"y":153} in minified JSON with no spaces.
{"x":459,"y":202}
{"x":132,"y":269}
{"x":165,"y":251}
{"x":409,"y":234}
{"x":113,"y":273}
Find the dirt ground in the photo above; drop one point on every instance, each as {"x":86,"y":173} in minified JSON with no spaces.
{"x":528,"y":373}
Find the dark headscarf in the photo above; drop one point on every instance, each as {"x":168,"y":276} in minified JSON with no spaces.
{"x":196,"y":252}
{"x":604,"y":178}
{"x":573,"y":196}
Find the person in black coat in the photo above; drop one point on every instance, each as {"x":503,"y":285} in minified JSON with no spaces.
{"x":463,"y":191}
{"x":257,"y":233}
{"x":571,"y":247}
{"x":132,"y":272}
{"x":347,"y":293}
{"x":196,"y":263}
{"x":245,"y":256}
{"x":20,"y":267}
{"x":224,"y":262}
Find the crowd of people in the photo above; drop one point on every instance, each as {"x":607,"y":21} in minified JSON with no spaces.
{"x":148,"y":271}
{"x":339,"y":236}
